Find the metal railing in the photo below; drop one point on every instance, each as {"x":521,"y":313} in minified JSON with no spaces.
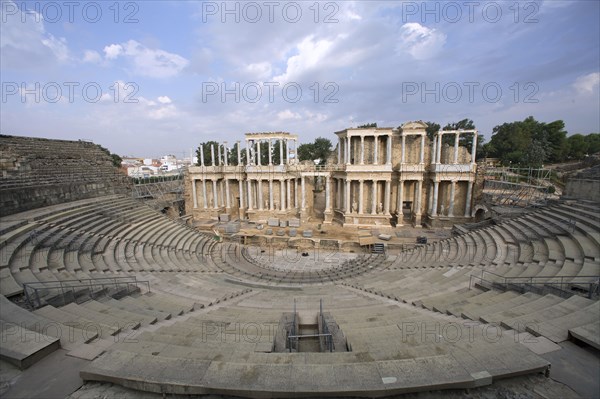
{"x":65,"y":291}
{"x":561,"y":285}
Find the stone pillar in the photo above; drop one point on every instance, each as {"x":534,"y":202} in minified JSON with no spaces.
{"x":282,"y":195}
{"x":436,"y":186}
{"x":328,"y":194}
{"x":376,"y":152}
{"x":218,"y":154}
{"x":204,"y":194}
{"x":386,"y":198}
{"x":430,"y":205}
{"x":250,"y":195}
{"x":227,"y":196}
{"x":439,"y":148}
{"x":248,"y":159}
{"x":280,"y":151}
{"x":226,"y":150}
{"x":271,"y":205}
{"x":362,"y":150}
{"x":296,"y":205}
{"x":361,"y":196}
{"x":400,"y":200}
{"x":347,"y":148}
{"x":260,"y":195}
{"x":474,"y":149}
{"x":201,"y":155}
{"x":469,"y":198}
{"x":452,"y":192}
{"x":241,"y":190}
{"x":347,"y":196}
{"x":338,"y":193}
{"x":303,"y":193}
{"x":434,"y":150}
{"x":456,"y":138}
{"x":374,"y":198}
{"x":417,"y":205}
{"x":194,"y":193}
{"x":212,"y":154}
{"x":289,"y":194}
{"x":258,"y":160}
{"x":403,"y":154}
{"x":239,"y":153}
{"x":270,"y":155}
{"x":422,"y":157}
{"x":339,"y":151}
{"x":215,"y":197}
{"x":388,"y":155}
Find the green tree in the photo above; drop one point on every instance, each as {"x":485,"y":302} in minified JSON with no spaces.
{"x":367,"y":125}
{"x":208,"y":161}
{"x":320,"y":150}
{"x":593,"y":142}
{"x":578,"y":146}
{"x":431,"y":129}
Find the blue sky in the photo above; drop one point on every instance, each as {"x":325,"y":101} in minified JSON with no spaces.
{"x":156,"y":77}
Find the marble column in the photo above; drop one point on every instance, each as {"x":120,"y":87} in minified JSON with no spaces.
{"x":271,"y":205}
{"x":270,"y":155}
{"x":215,"y":197}
{"x":400,"y":199}
{"x":452,"y":193}
{"x":386,"y":198}
{"x":282,"y":195}
{"x":289,"y":194}
{"x":417,"y":206}
{"x":248,"y":160}
{"x":227,"y":196}
{"x":422,"y":157}
{"x":280,"y":151}
{"x":194,"y":193}
{"x":474,"y":148}
{"x":303,"y":192}
{"x":376,"y":151}
{"x":296,"y":205}
{"x":212,"y":154}
{"x":374,"y":198}
{"x":436,"y":186}
{"x":439,"y":148}
{"x":388,"y":155}
{"x":361,"y":196}
{"x":250,"y":195}
{"x":347,"y":196}
{"x":362,"y":150}
{"x":339,"y":151}
{"x":239,"y":153}
{"x":347,"y":148}
{"x":327,"y":194}
{"x":260,"y":195}
{"x":456,"y":138}
{"x":218,"y":155}
{"x":403,"y":153}
{"x":241,"y":191}
{"x":204,"y":194}
{"x":258,"y":160}
{"x":201,"y":155}
{"x":226,"y":153}
{"x":469,"y":198}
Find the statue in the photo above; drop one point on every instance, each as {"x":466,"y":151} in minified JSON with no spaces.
{"x":379,"y":207}
{"x":354,"y":206}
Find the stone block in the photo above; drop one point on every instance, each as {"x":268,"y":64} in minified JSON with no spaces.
{"x":280,"y":233}
{"x":384,"y":237}
{"x":294,"y":222}
{"x":269,"y":232}
{"x":307,"y":233}
{"x":224,"y":217}
{"x":283,"y":223}
{"x":232,"y":228}
{"x":273,"y":222}
{"x":293,"y":232}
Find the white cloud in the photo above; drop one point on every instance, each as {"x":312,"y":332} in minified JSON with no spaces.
{"x":287,"y":114}
{"x":154,"y":63}
{"x":587,"y":83}
{"x":260,"y":70}
{"x":310,"y":54}
{"x":92,"y":57}
{"x":164,"y":100}
{"x":420,"y":41}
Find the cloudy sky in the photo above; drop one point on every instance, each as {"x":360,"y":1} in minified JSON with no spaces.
{"x":156,"y":77}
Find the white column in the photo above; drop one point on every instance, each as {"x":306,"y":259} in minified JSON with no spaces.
{"x":194,"y":193}
{"x":403,"y":155}
{"x":303,"y":192}
{"x":386,"y":198}
{"x":219,"y":154}
{"x":361,"y":196}
{"x":452,"y":192}
{"x":271,"y":205}
{"x":362,"y":150}
{"x":249,"y":195}
{"x":280,"y":151}
{"x":258,"y":160}
{"x":227,"y":196}
{"x":474,"y":149}
{"x":439,"y":148}
{"x":339,"y":151}
{"x":289,"y":194}
{"x":422,"y":158}
{"x":327,"y":194}
{"x":222,"y":192}
{"x":419,"y":193}
{"x":270,"y":155}
{"x":248,"y":159}
{"x":287,"y":152}
{"x":347,"y":148}
{"x":204,"y":193}
{"x":430,"y":199}
{"x":347,"y":196}
{"x":400,"y":198}
{"x":212,"y":154}
{"x":376,"y":152}
{"x":374,"y":198}
{"x":201,"y":155}
{"x":388,"y":155}
{"x":226,"y":150}
{"x":215,"y":197}
{"x":296,"y":204}
{"x":469,"y":197}
{"x":436,"y":186}
{"x":282,"y":194}
{"x":260,"y":195}
{"x":456,"y":138}
{"x":434,"y":150}
{"x":338,"y":194}
{"x":241,"y":189}
{"x":239,"y":155}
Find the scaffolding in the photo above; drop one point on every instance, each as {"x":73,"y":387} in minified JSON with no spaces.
{"x":517,"y":186}
{"x":159,"y":191}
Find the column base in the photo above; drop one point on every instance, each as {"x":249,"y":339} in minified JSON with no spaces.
{"x":327,"y":217}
